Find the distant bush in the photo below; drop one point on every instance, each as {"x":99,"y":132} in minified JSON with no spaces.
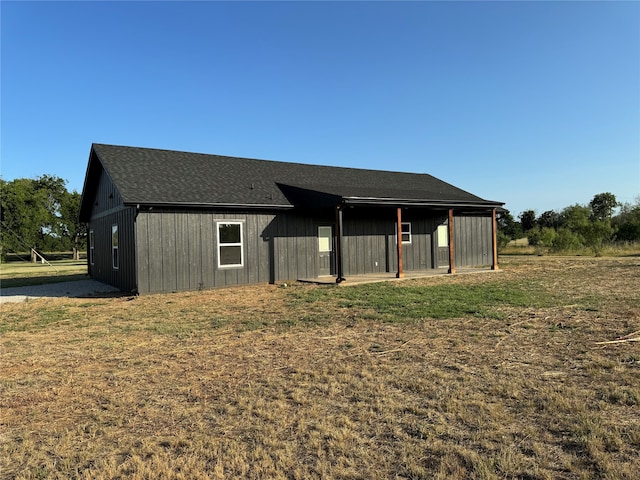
{"x":566,"y":240}
{"x":580,"y":229}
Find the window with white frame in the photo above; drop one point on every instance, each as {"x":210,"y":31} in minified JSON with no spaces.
{"x":114,"y":247}
{"x":230,"y":245}
{"x":406,"y":232}
{"x":91,"y":248}
{"x":443,"y":235}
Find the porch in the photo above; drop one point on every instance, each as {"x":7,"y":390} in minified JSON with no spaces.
{"x":391,"y":276}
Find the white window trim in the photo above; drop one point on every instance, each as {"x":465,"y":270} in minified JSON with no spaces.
{"x":240,"y":244}
{"x":115,"y":248}
{"x":409,"y":232}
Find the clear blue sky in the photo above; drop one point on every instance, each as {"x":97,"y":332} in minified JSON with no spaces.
{"x":536,"y":104}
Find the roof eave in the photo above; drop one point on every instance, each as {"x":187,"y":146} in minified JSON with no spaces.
{"x":420,"y":202}
{"x":204,"y":205}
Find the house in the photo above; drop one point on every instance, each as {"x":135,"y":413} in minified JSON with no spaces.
{"x":164,"y":221}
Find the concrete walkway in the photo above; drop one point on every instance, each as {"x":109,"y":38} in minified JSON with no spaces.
{"x":391,"y":277}
{"x":74,"y":289}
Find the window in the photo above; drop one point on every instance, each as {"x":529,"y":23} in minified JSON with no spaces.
{"x":443,"y":235}
{"x":230,"y":251}
{"x":91,"y":248}
{"x":406,"y":232}
{"x":114,"y":247}
{"x":325,"y":237}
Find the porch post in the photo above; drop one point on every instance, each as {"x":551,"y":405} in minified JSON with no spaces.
{"x":339,"y":272}
{"x":400,"y":273}
{"x":494,"y":239}
{"x":452,"y":249}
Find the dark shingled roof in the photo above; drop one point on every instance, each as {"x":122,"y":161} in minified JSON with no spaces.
{"x":147,"y":176}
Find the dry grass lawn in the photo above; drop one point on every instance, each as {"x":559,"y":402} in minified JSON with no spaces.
{"x":486,"y":376}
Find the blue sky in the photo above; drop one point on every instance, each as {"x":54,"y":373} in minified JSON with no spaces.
{"x":536,"y":104}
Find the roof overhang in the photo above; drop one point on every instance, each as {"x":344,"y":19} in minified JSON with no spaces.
{"x":324,"y":197}
{"x":191,"y":205}
{"x":412,"y":202}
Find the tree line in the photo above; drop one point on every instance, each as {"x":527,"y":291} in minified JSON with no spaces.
{"x":40,"y":215}
{"x":602,"y":222}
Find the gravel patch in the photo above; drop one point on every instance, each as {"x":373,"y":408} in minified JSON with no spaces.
{"x":75,"y":289}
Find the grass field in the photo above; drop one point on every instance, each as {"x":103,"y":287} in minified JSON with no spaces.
{"x":485,"y":376}
{"x":20,"y":274}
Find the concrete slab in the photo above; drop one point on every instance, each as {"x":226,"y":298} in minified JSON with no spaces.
{"x":74,"y":289}
{"x":391,"y":277}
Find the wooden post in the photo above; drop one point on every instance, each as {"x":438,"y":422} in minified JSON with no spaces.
{"x":339,"y":272}
{"x":400,"y":273}
{"x":452,"y":249}
{"x":494,"y":239}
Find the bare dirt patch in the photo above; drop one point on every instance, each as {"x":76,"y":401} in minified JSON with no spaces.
{"x":326,"y":382}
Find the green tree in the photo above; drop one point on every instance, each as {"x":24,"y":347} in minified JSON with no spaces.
{"x":527,"y":220}
{"x":602,"y":206}
{"x":542,"y":239}
{"x":507,"y":226}
{"x":566,"y":240}
{"x":596,"y":233}
{"x":575,"y":217}
{"x":591,"y":232}
{"x":30,"y":213}
{"x":72,"y":229}
{"x":23,"y":214}
{"x":549,"y":219}
{"x":627,"y":222}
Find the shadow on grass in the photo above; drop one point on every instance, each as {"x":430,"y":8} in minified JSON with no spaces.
{"x":41,"y":280}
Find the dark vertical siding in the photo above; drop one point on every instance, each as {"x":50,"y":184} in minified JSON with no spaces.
{"x":295,"y":246}
{"x":473,"y":238}
{"x":178,"y":250}
{"x":142,"y":252}
{"x":154,"y":259}
{"x":364,"y":238}
{"x":207,"y":242}
{"x":370,"y":238}
{"x":417,"y":255}
{"x":102,"y":270}
{"x":109,"y":210}
{"x":194,"y":250}
{"x":107,"y":197}
{"x":183,"y":257}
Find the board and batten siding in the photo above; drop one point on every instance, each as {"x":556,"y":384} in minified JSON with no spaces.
{"x":124,"y":277}
{"x":108,"y":210}
{"x":369,"y":244}
{"x":178,"y":250}
{"x":364,"y":244}
{"x":473,"y":238}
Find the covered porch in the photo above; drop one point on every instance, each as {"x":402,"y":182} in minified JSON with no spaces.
{"x":383,"y":233}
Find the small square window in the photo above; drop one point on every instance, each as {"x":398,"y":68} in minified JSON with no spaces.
{"x":406,"y":232}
